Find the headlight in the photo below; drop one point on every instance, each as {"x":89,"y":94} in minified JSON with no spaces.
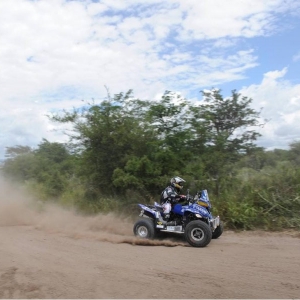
{"x":198,"y":216}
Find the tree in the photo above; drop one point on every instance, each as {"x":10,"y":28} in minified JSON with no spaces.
{"x":294,"y":153}
{"x":227,"y":131}
{"x":52,"y":152}
{"x":50,"y":165}
{"x":168,"y":118}
{"x":12,"y":152}
{"x":19,"y":163}
{"x":106,"y":136}
{"x":167,"y":153}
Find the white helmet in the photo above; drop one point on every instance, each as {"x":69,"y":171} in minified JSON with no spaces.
{"x":177,"y":182}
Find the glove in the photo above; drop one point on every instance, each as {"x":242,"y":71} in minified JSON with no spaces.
{"x":180,"y":198}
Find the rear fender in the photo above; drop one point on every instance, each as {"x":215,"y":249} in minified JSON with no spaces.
{"x":148,"y":211}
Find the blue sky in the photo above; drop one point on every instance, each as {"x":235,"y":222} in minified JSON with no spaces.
{"x":54,"y":53}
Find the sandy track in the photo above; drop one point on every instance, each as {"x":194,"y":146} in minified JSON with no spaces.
{"x":40,"y":264}
{"x":47,"y":252}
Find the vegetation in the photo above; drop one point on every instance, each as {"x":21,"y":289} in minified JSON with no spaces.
{"x":123,"y":151}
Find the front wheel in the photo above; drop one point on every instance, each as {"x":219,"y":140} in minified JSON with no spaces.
{"x":198,"y":234}
{"x":144,"y":228}
{"x":218,"y":231}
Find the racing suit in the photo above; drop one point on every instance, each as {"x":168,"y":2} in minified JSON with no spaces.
{"x":169,"y":197}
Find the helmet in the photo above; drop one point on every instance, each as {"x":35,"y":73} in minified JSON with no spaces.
{"x":177,"y":182}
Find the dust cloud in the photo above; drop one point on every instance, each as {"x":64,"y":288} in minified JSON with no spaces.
{"x":17,"y":208}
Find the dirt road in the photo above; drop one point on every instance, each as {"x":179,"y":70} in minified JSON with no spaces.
{"x":51,"y":253}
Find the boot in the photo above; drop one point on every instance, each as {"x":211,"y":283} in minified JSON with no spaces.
{"x":171,"y":223}
{"x":159,"y":218}
{"x":166,"y":217}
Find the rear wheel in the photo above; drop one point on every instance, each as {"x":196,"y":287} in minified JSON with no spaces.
{"x":218,"y":231}
{"x":144,"y":228}
{"x":198,"y":234}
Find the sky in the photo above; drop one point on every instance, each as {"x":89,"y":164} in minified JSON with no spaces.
{"x":56,"y":53}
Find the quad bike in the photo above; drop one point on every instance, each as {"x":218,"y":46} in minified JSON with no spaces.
{"x":192,"y":218}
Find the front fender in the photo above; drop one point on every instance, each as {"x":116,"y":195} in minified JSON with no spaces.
{"x":201,"y":210}
{"x":193,"y":208}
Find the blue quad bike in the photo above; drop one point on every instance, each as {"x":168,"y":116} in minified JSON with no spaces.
{"x":192,"y":218}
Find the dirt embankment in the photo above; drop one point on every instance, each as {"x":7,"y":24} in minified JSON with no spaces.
{"x":48,"y":252}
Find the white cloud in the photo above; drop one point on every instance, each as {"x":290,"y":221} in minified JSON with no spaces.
{"x":235,"y":18}
{"x":55,"y":52}
{"x":280,"y":100}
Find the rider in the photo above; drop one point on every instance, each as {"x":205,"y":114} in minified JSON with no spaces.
{"x":170,"y":195}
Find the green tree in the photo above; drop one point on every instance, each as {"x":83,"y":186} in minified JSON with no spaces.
{"x":169,"y":119}
{"x":294,"y":153}
{"x":106,"y":136}
{"x":50,"y":166}
{"x":19,"y":163}
{"x":53,"y":152}
{"x":226,"y":127}
{"x":12,"y":152}
{"x":167,"y":153}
